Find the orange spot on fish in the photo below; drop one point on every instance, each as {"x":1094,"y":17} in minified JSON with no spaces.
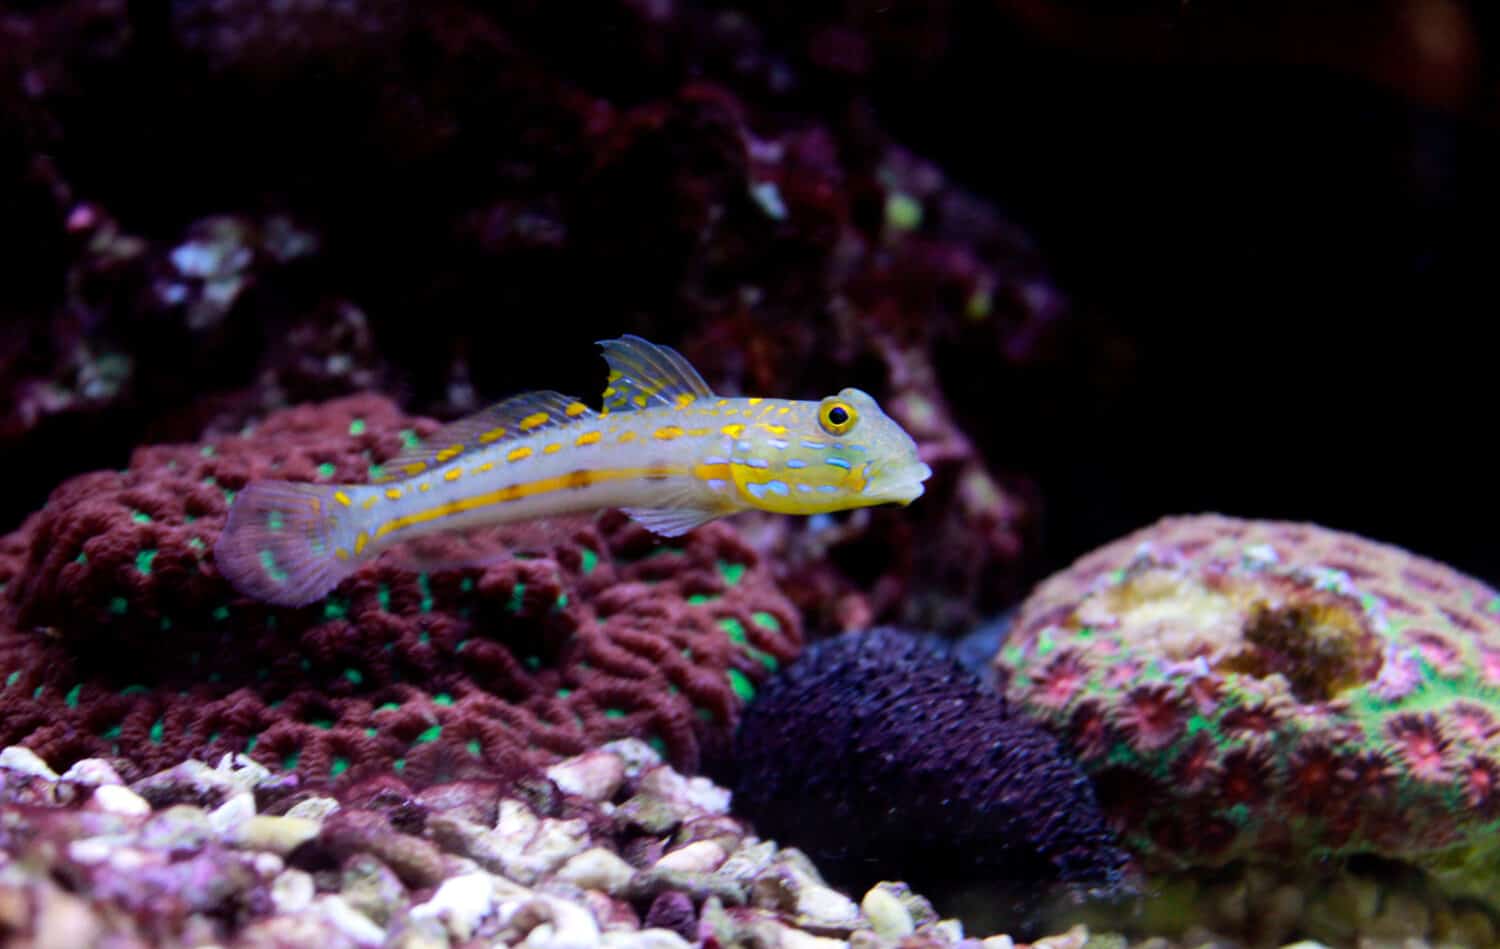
{"x":552,"y":449}
{"x":393,"y":493}
{"x":627,"y":436}
{"x":453,"y":474}
{"x":449,"y":453}
{"x":533,"y":420}
{"x":668,"y":433}
{"x":519,"y":454}
{"x":342,"y":498}
{"x":588,"y":438}
{"x":685,"y":399}
{"x":733,"y":431}
{"x":575,"y":409}
{"x":493,"y":435}
{"x":360,"y":540}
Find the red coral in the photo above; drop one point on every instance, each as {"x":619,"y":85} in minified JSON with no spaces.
{"x":129,"y":643}
{"x":1151,"y":717}
{"x":1420,"y":742}
{"x":1058,"y":684}
{"x":1481,"y":782}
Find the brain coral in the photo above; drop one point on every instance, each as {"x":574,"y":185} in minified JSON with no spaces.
{"x":119,"y":639}
{"x":879,"y":755}
{"x":1275,"y":691}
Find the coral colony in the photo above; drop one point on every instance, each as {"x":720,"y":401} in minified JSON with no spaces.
{"x":1248,"y":690}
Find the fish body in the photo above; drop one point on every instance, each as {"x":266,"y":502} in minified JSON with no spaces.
{"x":664,"y":447}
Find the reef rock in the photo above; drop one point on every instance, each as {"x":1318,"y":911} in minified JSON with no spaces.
{"x":120,"y":640}
{"x":1275,"y":693}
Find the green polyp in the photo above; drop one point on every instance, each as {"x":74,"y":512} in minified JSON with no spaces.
{"x":10,"y":680}
{"x":290,"y":759}
{"x":741,"y":685}
{"x":136,"y":689}
{"x":196,"y":543}
{"x":326,"y":469}
{"x":339,"y":766}
{"x":443,"y":699}
{"x":250,"y":743}
{"x":158,"y":729}
{"x":207,"y":451}
{"x":902,"y":212}
{"x":357,"y":427}
{"x":399,"y":764}
{"x":71,"y":699}
{"x":228,"y":496}
{"x":431,"y":734}
{"x":424,"y":637}
{"x":426,"y":589}
{"x":764,"y":658}
{"x":118,"y":606}
{"x":81,"y":558}
{"x":561,"y":693}
{"x":590,"y":560}
{"x":354,"y":676}
{"x":371,"y":732}
{"x":472,"y":746}
{"x":140,"y":517}
{"x":614,"y":713}
{"x":37,"y":692}
{"x":220,"y":613}
{"x":698,"y":598}
{"x":335,"y":608}
{"x":110,"y":733}
{"x":466,"y":584}
{"x":268,"y":564}
{"x":704,"y":715}
{"x":517,"y":598}
{"x":766,"y":621}
{"x":731,"y":572}
{"x":735,"y":629}
{"x":323,"y":723}
{"x":386,"y":707}
{"x":383,"y":596}
{"x":409,"y":440}
{"x":533,"y":662}
{"x":561,"y":603}
{"x":275,"y":521}
{"x":374,"y":473}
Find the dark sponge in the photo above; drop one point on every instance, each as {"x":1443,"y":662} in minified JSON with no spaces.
{"x":883,"y":758}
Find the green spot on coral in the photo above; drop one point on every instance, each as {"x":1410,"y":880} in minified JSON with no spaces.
{"x":424,"y":637}
{"x":290,"y":759}
{"x":339,"y":766}
{"x":741,"y":685}
{"x":371,"y":732}
{"x":902,"y":212}
{"x":443,"y":699}
{"x":517,"y":597}
{"x":561,"y":693}
{"x":704,"y":715}
{"x":731,"y":572}
{"x":472,"y":746}
{"x":140,"y":517}
{"x":250,"y":744}
{"x":533,"y":662}
{"x":326,"y":469}
{"x":614,"y":713}
{"x":158,"y":729}
{"x":228,"y":496}
{"x":323,"y":723}
{"x":335,"y":608}
{"x":386,"y":707}
{"x":354,"y":676}
{"x":10,"y":680}
{"x":207,"y":451}
{"x":399,"y":764}
{"x":426,"y":589}
{"x":766,"y":621}
{"x":196,"y":543}
{"x":118,"y":606}
{"x":357,"y":427}
{"x":221,"y":613}
{"x":383,"y":596}
{"x":268,"y":564}
{"x":698,"y":599}
{"x":37,"y":692}
{"x":81,"y":558}
{"x":110,"y":733}
{"x":590,"y":560}
{"x":275,"y":521}
{"x":561,"y":603}
{"x":431,"y":734}
{"x":374,"y":473}
{"x":71,"y":699}
{"x":409,"y":440}
{"x":136,"y":689}
{"x":735,"y":629}
{"x":660,"y":746}
{"x":466,"y":584}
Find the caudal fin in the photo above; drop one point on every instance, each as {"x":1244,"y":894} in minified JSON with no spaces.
{"x":279,"y":540}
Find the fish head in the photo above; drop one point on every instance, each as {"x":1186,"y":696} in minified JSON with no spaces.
{"x":839,"y":453}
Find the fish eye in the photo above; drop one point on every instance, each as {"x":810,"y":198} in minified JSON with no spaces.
{"x":837,"y":416}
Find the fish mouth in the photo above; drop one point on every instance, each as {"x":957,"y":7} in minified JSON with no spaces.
{"x":908,"y":487}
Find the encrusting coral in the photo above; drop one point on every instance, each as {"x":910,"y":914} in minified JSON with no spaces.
{"x":1276,"y":692}
{"x":880,"y":755}
{"x":121,"y":641}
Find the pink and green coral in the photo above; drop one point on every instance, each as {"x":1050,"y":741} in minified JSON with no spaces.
{"x":1267,"y":691}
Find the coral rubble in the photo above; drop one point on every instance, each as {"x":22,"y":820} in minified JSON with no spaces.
{"x":121,"y":641}
{"x":874,"y":751}
{"x":1275,"y":692}
{"x":613,"y":849}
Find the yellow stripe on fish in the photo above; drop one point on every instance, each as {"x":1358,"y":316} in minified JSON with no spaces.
{"x":664,"y":448}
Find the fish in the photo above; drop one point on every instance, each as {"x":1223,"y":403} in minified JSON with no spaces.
{"x":663,"y":447}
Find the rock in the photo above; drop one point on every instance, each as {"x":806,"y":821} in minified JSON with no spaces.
{"x":292,"y":891}
{"x":120,"y":800}
{"x":704,"y":856}
{"x":596,"y":775}
{"x":597,"y":869}
{"x":279,"y":835}
{"x":460,"y":903}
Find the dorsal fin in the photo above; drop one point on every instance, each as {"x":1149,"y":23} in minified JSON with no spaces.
{"x":516,"y":417}
{"x":643,"y":374}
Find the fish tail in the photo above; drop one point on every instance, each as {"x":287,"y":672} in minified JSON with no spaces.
{"x":279,"y":542}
